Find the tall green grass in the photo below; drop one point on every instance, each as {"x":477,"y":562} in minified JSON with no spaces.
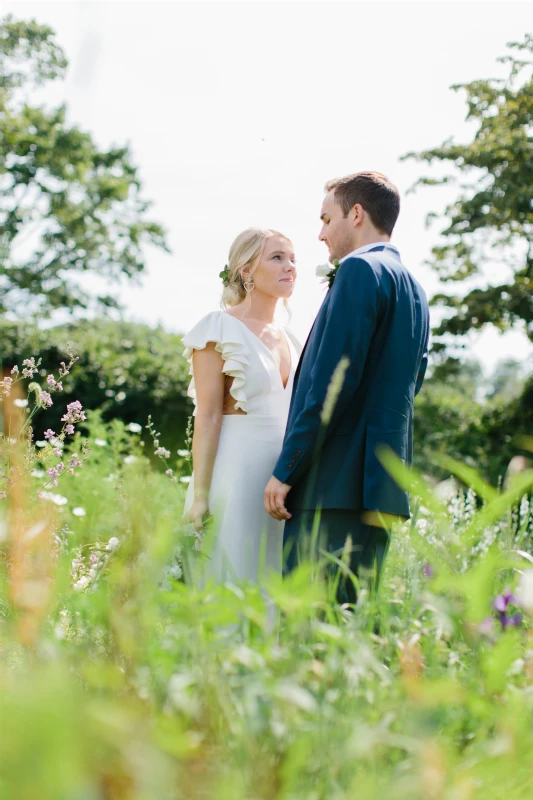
{"x":125,"y":683}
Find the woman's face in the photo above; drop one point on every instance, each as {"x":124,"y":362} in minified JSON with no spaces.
{"x":276,"y":272}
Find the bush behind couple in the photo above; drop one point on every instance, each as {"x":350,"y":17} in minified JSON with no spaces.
{"x":258,"y":396}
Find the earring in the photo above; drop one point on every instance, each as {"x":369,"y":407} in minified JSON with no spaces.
{"x":249,"y":284}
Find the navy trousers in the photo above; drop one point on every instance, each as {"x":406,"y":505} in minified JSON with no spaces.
{"x":369,"y":546}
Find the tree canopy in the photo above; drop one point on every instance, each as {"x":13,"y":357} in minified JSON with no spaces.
{"x":491,"y":221}
{"x":67,"y":207}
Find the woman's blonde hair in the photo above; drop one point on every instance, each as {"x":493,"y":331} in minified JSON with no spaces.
{"x":245,"y":253}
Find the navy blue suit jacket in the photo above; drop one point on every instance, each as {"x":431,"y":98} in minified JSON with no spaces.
{"x":376,"y":314}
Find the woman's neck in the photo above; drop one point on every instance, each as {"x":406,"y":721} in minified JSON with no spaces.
{"x":260,"y":307}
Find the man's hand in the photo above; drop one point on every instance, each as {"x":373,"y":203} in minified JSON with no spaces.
{"x":275,"y":494}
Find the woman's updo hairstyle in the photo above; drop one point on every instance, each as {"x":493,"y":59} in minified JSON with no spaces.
{"x":245,"y":254}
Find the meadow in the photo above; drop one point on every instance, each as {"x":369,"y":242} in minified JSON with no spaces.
{"x":119,"y":681}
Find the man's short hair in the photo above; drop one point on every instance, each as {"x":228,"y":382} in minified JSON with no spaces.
{"x":377,"y":195}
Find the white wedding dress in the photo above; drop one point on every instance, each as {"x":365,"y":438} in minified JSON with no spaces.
{"x":247,"y":542}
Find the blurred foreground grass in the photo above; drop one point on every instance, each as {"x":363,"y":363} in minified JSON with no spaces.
{"x":118,"y":681}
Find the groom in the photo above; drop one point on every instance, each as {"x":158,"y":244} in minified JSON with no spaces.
{"x":376,"y":316}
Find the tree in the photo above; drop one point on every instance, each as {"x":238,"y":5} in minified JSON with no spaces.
{"x":66,"y":207}
{"x":492,"y":219}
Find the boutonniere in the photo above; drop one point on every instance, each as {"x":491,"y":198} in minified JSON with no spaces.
{"x":328,"y":272}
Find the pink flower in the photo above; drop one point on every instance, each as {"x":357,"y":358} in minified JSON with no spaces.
{"x":168,"y":472}
{"x":162,"y":452}
{"x":58,"y":453}
{"x":46,"y":400}
{"x":51,"y":381}
{"x":6,"y":385}
{"x":53,"y":474}
{"x":49,"y":434}
{"x":69,"y":429}
{"x":15,"y":370}
{"x":74,"y":413}
{"x":60,"y":467}
{"x":30,"y":368}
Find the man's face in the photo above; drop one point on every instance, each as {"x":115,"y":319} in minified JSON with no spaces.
{"x":337,"y":230}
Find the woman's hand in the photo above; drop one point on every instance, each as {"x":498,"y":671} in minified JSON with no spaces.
{"x":197,"y":512}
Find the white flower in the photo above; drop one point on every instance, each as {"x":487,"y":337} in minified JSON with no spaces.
{"x":40,"y":444}
{"x":120,"y":397}
{"x":82,"y":584}
{"x":130,"y":459}
{"x":52,"y":497}
{"x":56,"y":443}
{"x":20,"y":403}
{"x":37,"y":473}
{"x":524,"y":592}
{"x":112,"y":544}
{"x":185,"y":479}
{"x":100,"y":442}
{"x":184,"y":453}
{"x":134,"y":427}
{"x":79,"y":511}
{"x":322,"y":270}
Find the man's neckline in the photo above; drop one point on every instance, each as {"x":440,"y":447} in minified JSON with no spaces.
{"x":365,"y":249}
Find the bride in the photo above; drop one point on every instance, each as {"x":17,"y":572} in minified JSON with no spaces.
{"x":243,"y":368}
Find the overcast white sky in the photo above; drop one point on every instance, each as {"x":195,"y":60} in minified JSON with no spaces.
{"x":237,"y":114}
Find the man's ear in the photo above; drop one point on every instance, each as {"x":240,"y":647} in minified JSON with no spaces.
{"x":357,"y":214}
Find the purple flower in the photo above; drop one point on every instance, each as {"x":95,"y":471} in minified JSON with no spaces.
{"x":427,"y":570}
{"x":51,"y":381}
{"x":503,"y":600}
{"x":487,"y":626}
{"x":69,"y":429}
{"x":501,"y":604}
{"x":49,"y":434}
{"x":510,"y":622}
{"x":46,"y":400}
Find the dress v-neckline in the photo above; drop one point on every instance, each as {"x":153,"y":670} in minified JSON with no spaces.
{"x":271,"y":354}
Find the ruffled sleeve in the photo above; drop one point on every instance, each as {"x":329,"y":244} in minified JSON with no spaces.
{"x":229,"y":342}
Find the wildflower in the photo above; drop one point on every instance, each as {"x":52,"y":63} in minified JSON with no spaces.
{"x":134,"y":427}
{"x":525,"y":590}
{"x":427,"y":570}
{"x":79,"y":512}
{"x":112,"y":544}
{"x":30,"y":367}
{"x":501,"y":604}
{"x":53,"y":474}
{"x":15,"y":370}
{"x":82,"y":583}
{"x":169,"y":472}
{"x":60,"y":467}
{"x":69,"y":429}
{"x":6,"y":385}
{"x":75,"y":413}
{"x":162,"y":452}
{"x":37,"y":473}
{"x":100,"y":442}
{"x":487,"y":626}
{"x":49,"y":434}
{"x":58,"y":453}
{"x":183,"y":453}
{"x":45,"y":400}
{"x":52,"y":497}
{"x":53,"y":384}
{"x":20,"y":403}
